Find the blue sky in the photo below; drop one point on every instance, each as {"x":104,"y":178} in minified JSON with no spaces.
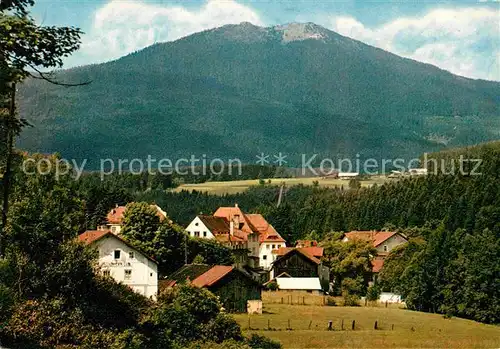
{"x":460,"y":36}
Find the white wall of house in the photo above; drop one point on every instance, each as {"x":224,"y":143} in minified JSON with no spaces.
{"x":115,"y":228}
{"x":265,"y":253}
{"x":128,"y":266}
{"x":198,"y":229}
{"x":389,"y":244}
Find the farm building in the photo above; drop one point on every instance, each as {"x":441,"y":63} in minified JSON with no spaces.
{"x":298,"y":263}
{"x":233,"y":286}
{"x":303,"y":284}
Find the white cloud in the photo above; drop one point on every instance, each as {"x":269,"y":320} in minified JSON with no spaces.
{"x":463,"y":41}
{"x":121,"y":27}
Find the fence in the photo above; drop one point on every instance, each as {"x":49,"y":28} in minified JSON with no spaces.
{"x":293,"y":298}
{"x":294,"y":324}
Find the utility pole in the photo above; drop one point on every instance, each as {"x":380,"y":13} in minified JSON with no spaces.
{"x":185,"y":248}
{"x":9,"y":134}
{"x":280,"y":197}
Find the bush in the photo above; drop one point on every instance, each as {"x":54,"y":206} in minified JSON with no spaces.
{"x":272,"y":286}
{"x":222,"y":328}
{"x":330,"y":301}
{"x":351,"y":300}
{"x":260,"y":342}
{"x":230,"y":344}
{"x":373,"y":293}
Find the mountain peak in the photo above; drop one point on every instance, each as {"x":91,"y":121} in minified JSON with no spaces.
{"x":301,"y":31}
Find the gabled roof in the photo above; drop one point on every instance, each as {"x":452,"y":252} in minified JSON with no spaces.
{"x":188,"y":271}
{"x":115,"y":215}
{"x":211,"y":276}
{"x":297,"y":283}
{"x":91,"y":236}
{"x":376,"y":237}
{"x":230,"y":212}
{"x":215,"y":224}
{"x":249,"y":224}
{"x":301,"y":252}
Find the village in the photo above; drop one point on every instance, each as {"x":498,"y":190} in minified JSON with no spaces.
{"x":263,"y":260}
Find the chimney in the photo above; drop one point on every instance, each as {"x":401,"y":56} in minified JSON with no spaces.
{"x":116,"y":205}
{"x":236,"y":205}
{"x":231,"y":228}
{"x":236,"y":220}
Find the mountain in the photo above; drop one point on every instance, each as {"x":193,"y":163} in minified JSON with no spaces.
{"x":239,"y":90}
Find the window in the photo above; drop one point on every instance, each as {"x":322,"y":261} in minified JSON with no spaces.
{"x":131,"y":255}
{"x":274,"y":246}
{"x":106,"y":273}
{"x":197,"y":233}
{"x":268,"y":246}
{"x":264,"y":257}
{"x":128,"y":274}
{"x":117,"y":254}
{"x":113,"y":229}
{"x":385,"y":248}
{"x":205,"y":234}
{"x":151,"y":274}
{"x":197,"y":224}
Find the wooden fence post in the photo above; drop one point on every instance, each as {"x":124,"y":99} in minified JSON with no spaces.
{"x":342,"y":326}
{"x":375,"y":327}
{"x":353,"y":324}
{"x":330,"y":325}
{"x":249,"y":322}
{"x":268,"y":324}
{"x":310,"y":324}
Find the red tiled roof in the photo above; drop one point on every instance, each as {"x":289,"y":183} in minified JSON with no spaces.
{"x":302,"y":252}
{"x":115,"y":215}
{"x":376,"y":237}
{"x":229,"y":213}
{"x":215,"y":224}
{"x":212,"y":276}
{"x":306,"y":243}
{"x":377,"y":264}
{"x":91,"y":236}
{"x":249,"y":223}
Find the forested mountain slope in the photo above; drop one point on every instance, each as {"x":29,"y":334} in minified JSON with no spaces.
{"x":240,"y":90}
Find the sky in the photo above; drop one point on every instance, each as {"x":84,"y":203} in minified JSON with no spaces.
{"x":460,"y":36}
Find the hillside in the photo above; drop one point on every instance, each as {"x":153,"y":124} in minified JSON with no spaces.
{"x":239,"y":90}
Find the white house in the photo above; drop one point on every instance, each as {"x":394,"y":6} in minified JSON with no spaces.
{"x":231,"y":227}
{"x":114,"y":218}
{"x":348,"y":175}
{"x":123,"y":262}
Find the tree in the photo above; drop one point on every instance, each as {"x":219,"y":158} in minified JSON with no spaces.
{"x":140,"y":223}
{"x":349,"y":260}
{"x":25,"y":47}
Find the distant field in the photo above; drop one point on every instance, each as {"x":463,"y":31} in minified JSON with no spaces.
{"x":411,"y":329}
{"x":234,"y":187}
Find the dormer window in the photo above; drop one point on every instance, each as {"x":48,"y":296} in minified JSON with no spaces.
{"x":117,"y":254}
{"x":385,"y":248}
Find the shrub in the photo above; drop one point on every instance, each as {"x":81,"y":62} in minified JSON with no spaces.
{"x":272,"y":286}
{"x":330,"y":301}
{"x":260,"y":342}
{"x":373,"y":293}
{"x":222,"y":328}
{"x":351,"y":300}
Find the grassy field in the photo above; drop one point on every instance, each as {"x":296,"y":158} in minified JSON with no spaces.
{"x":233,"y":187}
{"x":411,"y":329}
